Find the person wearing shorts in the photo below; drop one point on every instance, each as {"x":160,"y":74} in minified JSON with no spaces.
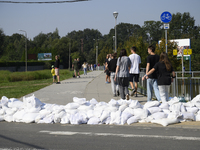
{"x":134,"y":70}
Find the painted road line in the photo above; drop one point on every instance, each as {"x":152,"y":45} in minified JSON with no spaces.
{"x":122,"y":135}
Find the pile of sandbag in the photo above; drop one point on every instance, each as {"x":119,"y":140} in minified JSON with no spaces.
{"x":81,"y":111}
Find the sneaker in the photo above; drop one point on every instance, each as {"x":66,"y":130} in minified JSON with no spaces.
{"x":107,"y":82}
{"x":117,"y":93}
{"x":57,"y":82}
{"x":132,"y":92}
{"x":79,"y":76}
{"x":127,"y":97}
{"x":135,"y":94}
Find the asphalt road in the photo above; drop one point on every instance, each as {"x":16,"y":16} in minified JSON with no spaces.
{"x":22,"y":136}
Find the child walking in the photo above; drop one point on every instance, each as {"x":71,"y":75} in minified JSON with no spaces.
{"x":53,"y":74}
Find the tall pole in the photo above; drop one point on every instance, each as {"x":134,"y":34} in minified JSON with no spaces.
{"x":115,"y":14}
{"x":25,"y":49}
{"x":166,"y":39}
{"x":69,"y":53}
{"x":96,"y":54}
{"x":115,"y":34}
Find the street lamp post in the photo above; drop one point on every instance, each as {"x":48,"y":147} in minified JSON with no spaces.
{"x":96,"y":50}
{"x":115,"y":14}
{"x":25,"y":48}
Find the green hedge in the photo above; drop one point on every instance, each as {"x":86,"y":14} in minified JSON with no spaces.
{"x":29,"y":63}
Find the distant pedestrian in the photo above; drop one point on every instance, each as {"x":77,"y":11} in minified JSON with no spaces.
{"x":53,"y":74}
{"x":84,"y":68}
{"x":95,"y":66}
{"x":112,"y":69}
{"x":152,"y":59}
{"x":164,"y":69}
{"x":79,"y":67}
{"x":98,"y":66}
{"x":91,"y":67}
{"x":134,"y":70}
{"x":75,"y":67}
{"x":106,"y":68}
{"x":122,"y":72}
{"x":56,"y":65}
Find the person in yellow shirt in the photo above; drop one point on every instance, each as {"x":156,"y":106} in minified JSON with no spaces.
{"x":53,"y":74}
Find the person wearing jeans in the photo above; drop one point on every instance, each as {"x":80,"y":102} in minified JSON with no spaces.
{"x":164,"y":69}
{"x":112,"y":69}
{"x":152,"y":84}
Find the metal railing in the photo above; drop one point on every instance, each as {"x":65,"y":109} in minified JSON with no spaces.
{"x":188,"y":86}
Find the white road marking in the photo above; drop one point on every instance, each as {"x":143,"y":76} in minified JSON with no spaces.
{"x":123,"y":135}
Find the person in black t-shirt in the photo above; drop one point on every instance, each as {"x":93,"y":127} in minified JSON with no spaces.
{"x":112,"y":68}
{"x":79,"y":67}
{"x":152,"y":59}
{"x":56,"y":65}
{"x":165,"y":70}
{"x":106,"y":69}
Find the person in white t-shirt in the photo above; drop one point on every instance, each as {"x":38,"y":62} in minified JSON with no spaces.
{"x":134,"y":70}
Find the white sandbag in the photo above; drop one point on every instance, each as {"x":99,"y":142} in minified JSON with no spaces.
{"x":71,"y":111}
{"x":78,"y":118}
{"x":166,"y":121}
{"x":72,"y":106}
{"x":175,"y":107}
{"x":135,"y":104}
{"x":101,"y":104}
{"x":80,"y":101}
{"x":15,"y":103}
{"x":65,"y":119}
{"x":32,"y":101}
{"x":8,"y":118}
{"x":122,"y":107}
{"x":48,"y":106}
{"x":159,"y":115}
{"x":85,"y":107}
{"x":153,"y":110}
{"x":104,"y":115}
{"x":183,"y":109}
{"x":197,"y":105}
{"x":58,"y":116}
{"x":188,"y":116}
{"x":142,"y":113}
{"x":173,"y":101}
{"x":124,"y":117}
{"x":11,"y":111}
{"x":2,"y":111}
{"x":112,"y":108}
{"x":107,"y":120}
{"x":115,"y":117}
{"x":164,"y":106}
{"x":1,"y":118}
{"x":123,"y":102}
{"x":18,"y":116}
{"x":47,"y":119}
{"x":189,"y":104}
{"x":174,"y":114}
{"x":113,"y":103}
{"x":166,"y":111}
{"x":29,"y":117}
{"x":97,"y":113}
{"x":196,"y":99}
{"x":93,"y":101}
{"x":133,"y":119}
{"x":4,"y":101}
{"x":193,"y":110}
{"x":33,"y":109}
{"x":197,"y":117}
{"x":93,"y":120}
{"x":151,"y":104}
{"x":90,"y":113}
{"x":130,"y":110}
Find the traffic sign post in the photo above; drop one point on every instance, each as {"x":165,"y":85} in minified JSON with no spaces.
{"x":166,"y":17}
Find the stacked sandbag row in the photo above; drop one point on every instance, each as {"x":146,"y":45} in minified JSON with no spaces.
{"x":117,"y":112}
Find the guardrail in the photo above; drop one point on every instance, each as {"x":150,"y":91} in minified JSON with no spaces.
{"x":188,"y":86}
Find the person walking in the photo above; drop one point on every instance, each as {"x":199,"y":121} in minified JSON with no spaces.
{"x":84,"y":68}
{"x":56,"y":65}
{"x":79,"y":67}
{"x":112,"y":68}
{"x":152,"y":84}
{"x":164,"y":69}
{"x":106,"y":68}
{"x":122,"y":73}
{"x":134,"y":70}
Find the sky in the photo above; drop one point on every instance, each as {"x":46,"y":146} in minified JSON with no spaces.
{"x":92,"y":14}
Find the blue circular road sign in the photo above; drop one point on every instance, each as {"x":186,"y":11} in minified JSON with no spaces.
{"x":166,"y":17}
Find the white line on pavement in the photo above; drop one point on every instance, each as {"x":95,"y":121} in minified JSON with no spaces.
{"x":123,"y":135}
